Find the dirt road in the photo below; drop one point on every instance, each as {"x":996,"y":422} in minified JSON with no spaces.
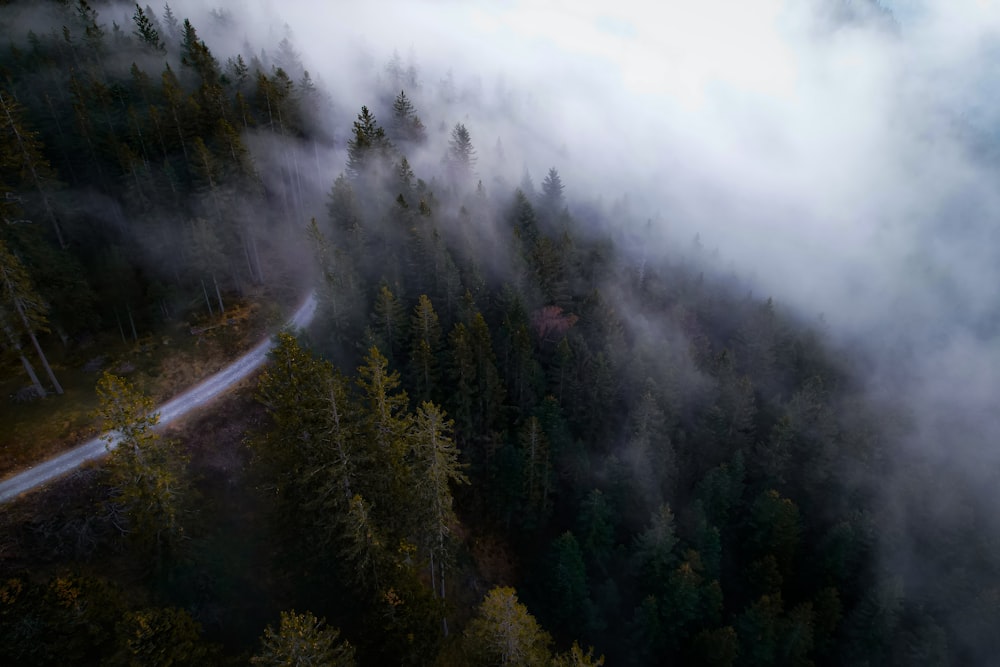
{"x":190,"y":400}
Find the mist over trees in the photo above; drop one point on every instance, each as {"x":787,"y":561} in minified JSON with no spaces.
{"x":520,"y":433}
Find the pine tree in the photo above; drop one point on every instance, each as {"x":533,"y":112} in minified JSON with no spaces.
{"x":171,"y":25}
{"x":20,"y":302}
{"x":385,"y":425}
{"x":302,"y":639}
{"x":389,"y":323}
{"x":565,"y":585}
{"x":653,"y":554}
{"x":146,"y":31}
{"x":160,"y":635}
{"x":537,"y":478}
{"x":504,"y":633}
{"x":406,"y":125}
{"x":437,"y":468}
{"x":367,"y":145}
{"x":145,"y":472}
{"x":461,"y":154}
{"x":577,"y":657}
{"x":462,"y":374}
{"x":196,"y":55}
{"x":552,"y":199}
{"x":425,"y":346}
{"x":22,"y":160}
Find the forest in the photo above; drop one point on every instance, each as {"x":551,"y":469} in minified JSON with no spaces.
{"x":508,"y":438}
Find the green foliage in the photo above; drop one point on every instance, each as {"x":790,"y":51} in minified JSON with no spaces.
{"x":425,"y":348}
{"x":596,"y":528}
{"x":367,"y":145}
{"x":68,"y":619}
{"x":715,"y":648}
{"x":461,"y":154}
{"x":84,"y":620}
{"x":144,"y":472}
{"x":565,"y":586}
{"x":776,"y":528}
{"x":536,"y":488}
{"x":577,"y":657}
{"x":653,"y":553}
{"x":389,"y":322}
{"x":406,"y":124}
{"x":160,"y":636}
{"x":504,"y":633}
{"x":588,"y":387}
{"x":303,"y":640}
{"x":146,"y":31}
{"x":436,"y":467}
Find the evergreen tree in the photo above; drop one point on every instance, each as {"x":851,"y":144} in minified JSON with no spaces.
{"x":425,"y":346}
{"x":537,"y":479}
{"x":21,"y":303}
{"x":367,"y":146}
{"x":160,"y":636}
{"x":23,"y":162}
{"x":170,"y":24}
{"x":565,"y":586}
{"x":389,"y":323}
{"x":301,"y":640}
{"x":146,"y":31}
{"x":552,"y":199}
{"x":144,"y":471}
{"x":461,"y":154}
{"x":504,"y":633}
{"x":406,"y":125}
{"x":385,"y":426}
{"x":437,"y":468}
{"x":577,"y":657}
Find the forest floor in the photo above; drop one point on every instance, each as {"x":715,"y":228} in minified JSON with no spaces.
{"x":160,"y":364}
{"x":221,"y":579}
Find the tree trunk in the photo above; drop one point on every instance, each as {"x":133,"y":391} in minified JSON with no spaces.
{"x":121,"y":329}
{"x":34,"y":175}
{"x":14,"y":343}
{"x":218,"y":295}
{"x":45,"y":363}
{"x":38,"y":348}
{"x":135,"y":334}
{"x":246,"y":255}
{"x":256,"y":259}
{"x":208,"y":302}
{"x":444,"y":617}
{"x":31,"y":374}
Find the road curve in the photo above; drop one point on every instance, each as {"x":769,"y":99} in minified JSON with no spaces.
{"x":180,"y":405}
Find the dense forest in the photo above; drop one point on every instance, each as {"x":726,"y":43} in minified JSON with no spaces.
{"x":508,"y":438}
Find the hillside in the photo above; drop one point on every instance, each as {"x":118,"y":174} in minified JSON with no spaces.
{"x":527,"y":427}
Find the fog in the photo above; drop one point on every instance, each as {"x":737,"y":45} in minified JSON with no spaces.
{"x":838,"y":156}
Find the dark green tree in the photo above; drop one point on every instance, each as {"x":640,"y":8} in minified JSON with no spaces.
{"x":437,"y":469}
{"x":425,"y":348}
{"x":461,"y":154}
{"x":406,"y":125}
{"x":146,"y":31}
{"x":22,"y":312}
{"x":367,"y":147}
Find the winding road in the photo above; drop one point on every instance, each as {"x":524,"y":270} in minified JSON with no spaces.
{"x":191,"y":399}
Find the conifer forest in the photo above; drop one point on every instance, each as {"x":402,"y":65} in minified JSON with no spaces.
{"x":532,"y":423}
